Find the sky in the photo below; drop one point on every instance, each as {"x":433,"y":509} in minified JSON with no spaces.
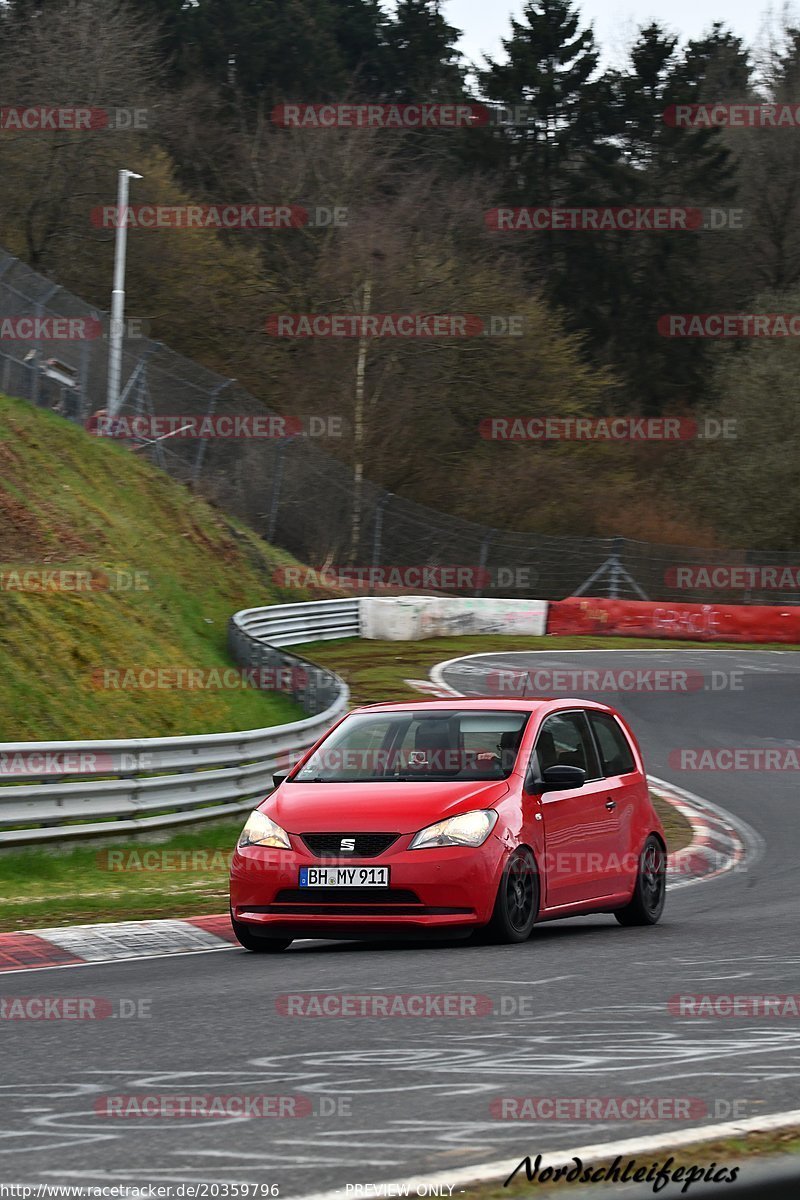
{"x":485,"y":22}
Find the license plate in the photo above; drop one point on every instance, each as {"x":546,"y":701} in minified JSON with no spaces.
{"x":326,"y":877}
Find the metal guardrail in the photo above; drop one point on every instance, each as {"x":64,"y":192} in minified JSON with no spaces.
{"x":59,"y":791}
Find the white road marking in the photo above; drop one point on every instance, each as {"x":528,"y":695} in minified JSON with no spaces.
{"x":110,"y":962}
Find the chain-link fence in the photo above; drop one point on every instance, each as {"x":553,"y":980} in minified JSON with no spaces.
{"x":300,"y":497}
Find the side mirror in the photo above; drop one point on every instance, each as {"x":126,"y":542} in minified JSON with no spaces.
{"x":278,"y":779}
{"x":560,"y":778}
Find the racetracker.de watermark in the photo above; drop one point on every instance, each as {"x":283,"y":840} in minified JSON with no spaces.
{"x":72,"y":579}
{"x":50,"y":329}
{"x":732,"y":1006}
{"x":219,"y":426}
{"x":414,"y":115}
{"x":735,"y":758}
{"x":209,"y":1106}
{"x":405,"y":326}
{"x":201,"y":679}
{"x":606,"y":429}
{"x":231,"y":217}
{"x":69,"y":329}
{"x":619,"y":1108}
{"x":402,"y":1005}
{"x":567,"y":681}
{"x":36,"y":763}
{"x":73,"y":1008}
{"x":732,"y":115}
{"x":44,"y":118}
{"x":631,"y":219}
{"x":196,"y":862}
{"x":722,"y":326}
{"x":445,"y":577}
{"x":733,"y":577}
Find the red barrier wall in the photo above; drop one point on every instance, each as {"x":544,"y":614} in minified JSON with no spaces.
{"x":693,"y":622}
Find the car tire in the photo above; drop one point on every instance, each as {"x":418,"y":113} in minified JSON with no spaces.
{"x":256,"y":942}
{"x":517,"y":905}
{"x":647,"y":903}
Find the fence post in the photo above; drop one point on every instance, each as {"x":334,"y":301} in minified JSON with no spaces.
{"x":39,"y":306}
{"x":280,"y":448}
{"x":212,"y":406}
{"x":482,"y":557}
{"x":377,"y":535}
{"x":615,"y":572}
{"x":83,"y":374}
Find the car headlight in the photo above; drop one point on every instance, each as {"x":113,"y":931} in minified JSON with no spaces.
{"x":260,"y":831}
{"x":468,"y":829}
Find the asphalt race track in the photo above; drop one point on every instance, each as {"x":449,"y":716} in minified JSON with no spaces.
{"x":578,"y":1011}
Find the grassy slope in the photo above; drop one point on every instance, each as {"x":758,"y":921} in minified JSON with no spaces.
{"x":40,"y":887}
{"x":69,"y":500}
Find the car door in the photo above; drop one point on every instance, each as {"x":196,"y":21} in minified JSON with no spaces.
{"x":625,"y":789}
{"x":577,"y":834}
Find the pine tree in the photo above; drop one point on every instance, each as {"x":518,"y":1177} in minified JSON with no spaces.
{"x":664,"y":165}
{"x":423,"y":62}
{"x":360,"y":32}
{"x":551,"y":77}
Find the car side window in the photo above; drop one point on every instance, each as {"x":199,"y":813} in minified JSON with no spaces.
{"x":565,"y":740}
{"x":615,"y":752}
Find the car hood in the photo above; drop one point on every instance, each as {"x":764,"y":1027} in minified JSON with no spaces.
{"x":375,"y":807}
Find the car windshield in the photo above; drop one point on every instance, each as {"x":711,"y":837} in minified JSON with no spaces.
{"x":408,"y":746}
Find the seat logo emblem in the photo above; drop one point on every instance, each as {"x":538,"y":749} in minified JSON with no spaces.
{"x":347,"y":844}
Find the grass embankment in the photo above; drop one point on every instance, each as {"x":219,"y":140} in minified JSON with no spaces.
{"x":187,"y":875}
{"x":70,"y":501}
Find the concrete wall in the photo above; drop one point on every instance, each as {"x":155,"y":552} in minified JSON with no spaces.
{"x":410,"y":618}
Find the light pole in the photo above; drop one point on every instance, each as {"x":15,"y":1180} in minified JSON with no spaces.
{"x":118,"y":294}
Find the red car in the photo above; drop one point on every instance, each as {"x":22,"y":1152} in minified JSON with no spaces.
{"x":452,"y":816}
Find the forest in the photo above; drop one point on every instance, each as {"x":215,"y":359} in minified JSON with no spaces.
{"x":569,"y":318}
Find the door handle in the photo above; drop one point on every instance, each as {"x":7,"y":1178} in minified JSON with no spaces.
{"x":611,"y":804}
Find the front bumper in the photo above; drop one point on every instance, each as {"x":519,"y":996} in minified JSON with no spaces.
{"x":442,"y":888}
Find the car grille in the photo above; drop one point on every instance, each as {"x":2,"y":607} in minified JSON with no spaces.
{"x":329,"y":845}
{"x":346,"y":896}
{"x":343,"y":902}
{"x":350,"y":902}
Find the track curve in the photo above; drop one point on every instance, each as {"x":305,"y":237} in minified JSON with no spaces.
{"x":581,"y":1010}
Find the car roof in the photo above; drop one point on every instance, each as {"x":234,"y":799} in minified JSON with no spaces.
{"x":490,"y":703}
